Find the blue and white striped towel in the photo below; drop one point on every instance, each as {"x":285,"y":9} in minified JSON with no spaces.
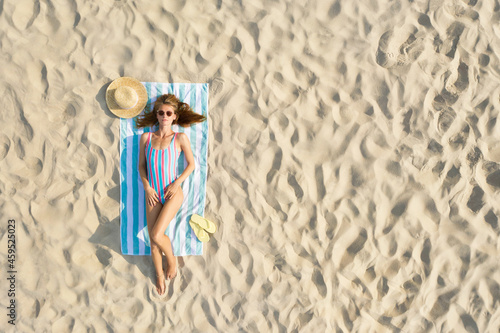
{"x":133,"y":226}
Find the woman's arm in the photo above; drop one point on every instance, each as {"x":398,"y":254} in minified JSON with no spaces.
{"x":152,"y":197}
{"x":186,"y":148}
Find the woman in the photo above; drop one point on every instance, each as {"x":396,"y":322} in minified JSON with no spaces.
{"x":159,"y":153}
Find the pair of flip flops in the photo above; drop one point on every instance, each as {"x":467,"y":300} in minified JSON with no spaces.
{"x":202,"y":227}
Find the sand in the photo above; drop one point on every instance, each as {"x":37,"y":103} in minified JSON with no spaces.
{"x":354,"y":165}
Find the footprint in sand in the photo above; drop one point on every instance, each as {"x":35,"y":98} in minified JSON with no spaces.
{"x":456,"y":83}
{"x":400,"y":47}
{"x":319,"y":282}
{"x":445,"y":120}
{"x":491,"y":219}
{"x":4,"y":146}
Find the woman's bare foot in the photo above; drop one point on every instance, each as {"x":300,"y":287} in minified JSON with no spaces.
{"x":171,"y":269}
{"x":160,"y":283}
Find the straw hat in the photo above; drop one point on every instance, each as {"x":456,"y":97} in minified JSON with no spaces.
{"x":126,"y":97}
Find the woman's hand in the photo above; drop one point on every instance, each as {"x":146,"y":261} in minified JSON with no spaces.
{"x":152,"y":198}
{"x":172,"y":189}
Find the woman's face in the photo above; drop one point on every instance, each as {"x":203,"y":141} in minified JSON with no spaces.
{"x":168,"y":114}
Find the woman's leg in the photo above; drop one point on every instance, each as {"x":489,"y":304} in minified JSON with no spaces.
{"x":151,"y":217}
{"x":158,"y":236}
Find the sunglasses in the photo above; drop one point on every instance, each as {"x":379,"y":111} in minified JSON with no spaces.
{"x":168,"y":113}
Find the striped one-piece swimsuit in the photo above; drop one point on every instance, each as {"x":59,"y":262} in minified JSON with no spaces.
{"x":162,"y":166}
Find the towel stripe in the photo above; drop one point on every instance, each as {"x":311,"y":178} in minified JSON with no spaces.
{"x":193,"y":139}
{"x":178,"y":90}
{"x":123,"y":192}
{"x":135,"y":190}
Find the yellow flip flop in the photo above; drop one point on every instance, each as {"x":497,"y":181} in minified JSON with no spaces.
{"x":209,"y":226}
{"x":201,"y":234}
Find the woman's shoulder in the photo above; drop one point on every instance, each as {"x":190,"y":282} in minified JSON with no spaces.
{"x":182,"y":136}
{"x":144,"y":136}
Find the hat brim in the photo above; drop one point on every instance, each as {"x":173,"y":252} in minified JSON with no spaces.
{"x":139,"y":88}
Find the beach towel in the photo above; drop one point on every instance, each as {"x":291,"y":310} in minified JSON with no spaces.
{"x":133,"y":227}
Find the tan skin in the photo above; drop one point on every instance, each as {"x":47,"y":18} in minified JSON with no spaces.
{"x":159,"y":215}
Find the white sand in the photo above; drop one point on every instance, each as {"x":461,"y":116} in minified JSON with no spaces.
{"x":353,"y":164}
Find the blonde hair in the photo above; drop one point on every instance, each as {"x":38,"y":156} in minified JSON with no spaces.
{"x":185,"y":115}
